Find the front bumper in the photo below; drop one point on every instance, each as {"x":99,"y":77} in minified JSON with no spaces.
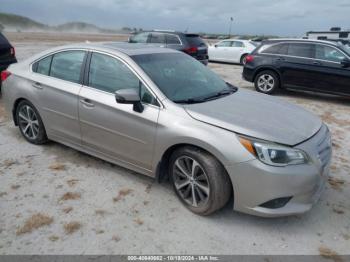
{"x":255,"y":183}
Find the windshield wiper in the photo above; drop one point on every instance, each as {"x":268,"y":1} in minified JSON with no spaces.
{"x":189,"y":101}
{"x":219,"y":94}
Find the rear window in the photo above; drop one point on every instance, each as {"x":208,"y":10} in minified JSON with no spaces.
{"x":157,"y":38}
{"x":67,"y":65}
{"x":194,"y":40}
{"x":279,"y":49}
{"x":43,"y":66}
{"x":301,"y":50}
{"x":172,"y":40}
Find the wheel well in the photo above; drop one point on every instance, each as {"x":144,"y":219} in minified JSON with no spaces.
{"x":243,"y":56}
{"x":269,"y":69}
{"x":15,"y":108}
{"x":162,"y":168}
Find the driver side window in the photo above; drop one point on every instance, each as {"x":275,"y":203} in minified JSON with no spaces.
{"x":224,"y":44}
{"x":328,"y":53}
{"x":108,"y":74}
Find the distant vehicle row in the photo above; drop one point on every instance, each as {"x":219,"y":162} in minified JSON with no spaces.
{"x":190,"y":44}
{"x":321,"y":66}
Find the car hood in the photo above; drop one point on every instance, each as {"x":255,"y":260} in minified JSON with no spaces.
{"x":259,"y":116}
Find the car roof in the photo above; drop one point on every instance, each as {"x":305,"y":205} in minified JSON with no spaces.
{"x":300,"y":40}
{"x":129,"y":49}
{"x":236,"y":39}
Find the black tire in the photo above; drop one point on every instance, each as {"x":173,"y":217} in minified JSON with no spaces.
{"x":40,"y":137}
{"x":219,"y":183}
{"x":243,"y":59}
{"x":271,"y":84}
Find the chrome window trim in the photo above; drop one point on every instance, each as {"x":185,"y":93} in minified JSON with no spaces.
{"x":161,"y":105}
{"x":51,"y":54}
{"x":309,"y":58}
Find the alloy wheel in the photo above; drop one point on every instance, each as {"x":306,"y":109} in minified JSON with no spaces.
{"x":28,"y":122}
{"x":266,"y":83}
{"x":191,"y":182}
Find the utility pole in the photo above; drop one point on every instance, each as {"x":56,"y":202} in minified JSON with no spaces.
{"x":231,"y":20}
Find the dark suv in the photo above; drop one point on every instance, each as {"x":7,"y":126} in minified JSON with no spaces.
{"x":7,"y":54}
{"x":321,"y":66}
{"x":191,"y":44}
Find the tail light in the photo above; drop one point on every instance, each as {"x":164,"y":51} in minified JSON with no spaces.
{"x":249,"y":59}
{"x":4,"y":75}
{"x":13,"y":51}
{"x":191,"y":50}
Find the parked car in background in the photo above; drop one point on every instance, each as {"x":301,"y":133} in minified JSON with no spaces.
{"x":314,"y":65}
{"x":7,"y":54}
{"x":231,"y":51}
{"x":191,"y":44}
{"x":161,"y":113}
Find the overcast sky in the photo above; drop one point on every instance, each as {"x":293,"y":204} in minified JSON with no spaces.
{"x":278,"y":17}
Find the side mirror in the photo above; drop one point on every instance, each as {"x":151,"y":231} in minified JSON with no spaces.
{"x":129,"y":96}
{"x":216,"y":46}
{"x":345,"y":63}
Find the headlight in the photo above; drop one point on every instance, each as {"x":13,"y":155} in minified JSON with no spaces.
{"x":274,"y":154}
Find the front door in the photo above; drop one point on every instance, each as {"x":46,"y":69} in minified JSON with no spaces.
{"x":113,"y":129}
{"x":331,"y":75}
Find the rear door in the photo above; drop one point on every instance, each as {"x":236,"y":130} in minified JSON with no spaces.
{"x":113,"y":129}
{"x":236,"y":51}
{"x":331,"y":75}
{"x":221,"y":51}
{"x":57,"y":84}
{"x":297,"y":66}
{"x":157,"y":38}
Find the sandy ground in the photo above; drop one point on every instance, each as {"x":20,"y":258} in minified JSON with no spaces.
{"x":55,"y":200}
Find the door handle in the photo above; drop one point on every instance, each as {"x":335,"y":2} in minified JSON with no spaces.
{"x":87,"y":102}
{"x":37,"y":85}
{"x":280,"y":59}
{"x":316,"y":63}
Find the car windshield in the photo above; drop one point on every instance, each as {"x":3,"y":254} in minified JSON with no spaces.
{"x":182,"y":78}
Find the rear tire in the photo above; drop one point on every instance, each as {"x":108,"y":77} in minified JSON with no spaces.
{"x":200,"y":180}
{"x":30,"y":124}
{"x":243,"y":60}
{"x":267,"y":82}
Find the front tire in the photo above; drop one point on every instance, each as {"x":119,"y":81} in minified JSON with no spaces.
{"x":30,"y":124}
{"x":267,"y":82}
{"x":199,"y":180}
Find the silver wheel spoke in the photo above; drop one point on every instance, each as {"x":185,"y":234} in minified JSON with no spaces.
{"x":199,"y":192}
{"x":194,"y":198}
{"x":182,"y":185}
{"x":195,"y":167}
{"x":202,"y":187}
{"x":28,"y":122}
{"x":179,"y":166}
{"x":26,"y":128}
{"x":190,"y":181}
{"x":23,"y":116}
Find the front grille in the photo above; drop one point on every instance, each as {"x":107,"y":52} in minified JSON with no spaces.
{"x":324,"y":147}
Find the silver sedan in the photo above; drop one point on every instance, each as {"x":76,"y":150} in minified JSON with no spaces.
{"x":161,"y":113}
